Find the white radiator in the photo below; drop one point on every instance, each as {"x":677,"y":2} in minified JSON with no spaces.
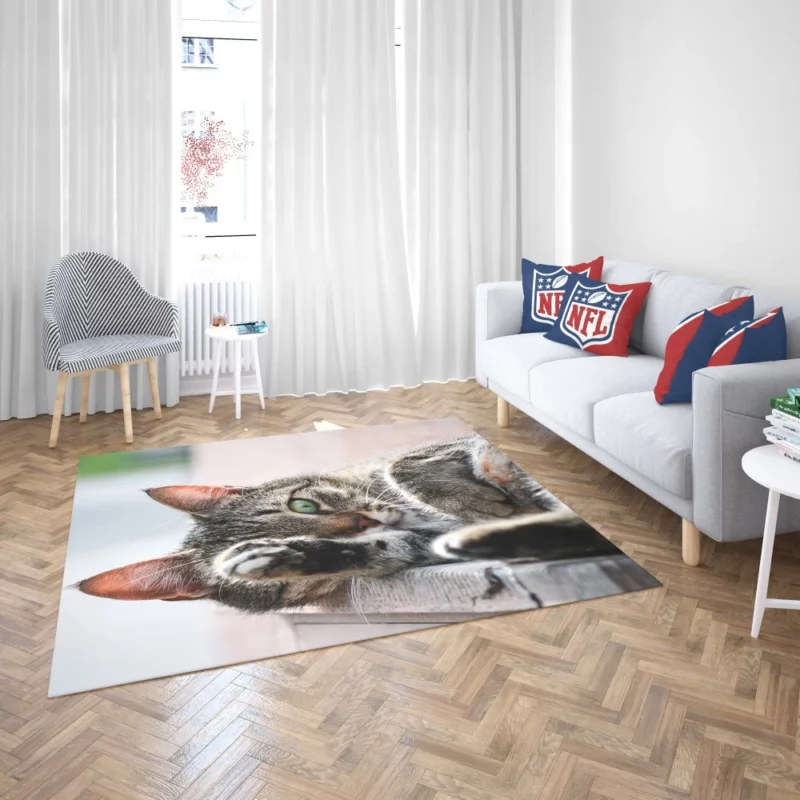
{"x":198,"y":302}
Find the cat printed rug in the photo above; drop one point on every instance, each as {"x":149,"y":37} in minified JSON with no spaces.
{"x":188,"y":558}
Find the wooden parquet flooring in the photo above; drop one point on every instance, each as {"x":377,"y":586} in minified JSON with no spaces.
{"x":659,"y":695}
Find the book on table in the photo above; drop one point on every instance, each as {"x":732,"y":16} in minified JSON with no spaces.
{"x":777,"y":419}
{"x":786,"y":441}
{"x":786,"y":406}
{"x":784,"y":430}
{"x":783,"y":435}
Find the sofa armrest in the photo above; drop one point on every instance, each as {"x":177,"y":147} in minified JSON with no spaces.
{"x":498,"y":312}
{"x":728,"y":406}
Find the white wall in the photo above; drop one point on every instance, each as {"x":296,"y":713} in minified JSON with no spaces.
{"x":544,"y":154}
{"x":686,"y":136}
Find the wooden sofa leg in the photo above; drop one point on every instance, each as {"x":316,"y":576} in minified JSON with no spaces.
{"x":61,"y":390}
{"x":502,"y":412}
{"x":691,"y":544}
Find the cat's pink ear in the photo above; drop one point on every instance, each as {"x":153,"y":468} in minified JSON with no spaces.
{"x":194,"y":499}
{"x":167,"y":578}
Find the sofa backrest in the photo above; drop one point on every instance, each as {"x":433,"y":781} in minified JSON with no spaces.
{"x":673,"y":297}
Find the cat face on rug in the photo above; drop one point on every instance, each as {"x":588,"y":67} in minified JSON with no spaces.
{"x":292,"y":541}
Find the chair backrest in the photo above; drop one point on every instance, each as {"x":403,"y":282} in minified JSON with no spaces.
{"x":91,"y":294}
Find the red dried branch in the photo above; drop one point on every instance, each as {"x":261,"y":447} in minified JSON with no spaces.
{"x":205,"y":155}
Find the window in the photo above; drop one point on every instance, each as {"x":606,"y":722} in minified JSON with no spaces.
{"x":198,"y":52}
{"x":206,"y":51}
{"x":209,"y":212}
{"x":192,"y":121}
{"x":188,"y":51}
{"x":219,"y":99}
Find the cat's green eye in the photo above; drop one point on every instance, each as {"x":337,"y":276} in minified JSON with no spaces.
{"x":303,"y":506}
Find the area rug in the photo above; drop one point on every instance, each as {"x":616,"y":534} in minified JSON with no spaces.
{"x":187,"y":558}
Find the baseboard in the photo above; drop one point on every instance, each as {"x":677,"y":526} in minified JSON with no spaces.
{"x":201,"y":384}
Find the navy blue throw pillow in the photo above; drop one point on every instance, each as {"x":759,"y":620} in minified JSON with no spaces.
{"x":543,"y":290}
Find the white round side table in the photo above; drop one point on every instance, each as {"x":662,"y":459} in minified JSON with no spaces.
{"x":769,"y":467}
{"x":219,"y":337}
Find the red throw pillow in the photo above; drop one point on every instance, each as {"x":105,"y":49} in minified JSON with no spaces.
{"x":596,"y":316}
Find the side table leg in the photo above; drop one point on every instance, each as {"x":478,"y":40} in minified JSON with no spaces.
{"x":254,"y":343}
{"x":217,"y":345}
{"x":237,"y":377}
{"x":766,"y":561}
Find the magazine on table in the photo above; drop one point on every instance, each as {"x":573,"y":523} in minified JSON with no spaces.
{"x":244,"y":328}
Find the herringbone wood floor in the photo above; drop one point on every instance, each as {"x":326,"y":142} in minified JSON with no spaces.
{"x":658,"y":695}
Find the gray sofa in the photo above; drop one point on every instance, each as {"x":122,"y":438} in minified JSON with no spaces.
{"x":687,"y":456}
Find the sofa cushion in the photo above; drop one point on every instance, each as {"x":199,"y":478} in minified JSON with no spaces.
{"x":543,"y":289}
{"x":568,"y":390}
{"x":673,"y":298}
{"x":598,"y":316}
{"x":766,"y":301}
{"x":627,"y":272}
{"x":508,"y":360}
{"x":691,"y":345}
{"x":753,"y":341}
{"x":653,"y":440}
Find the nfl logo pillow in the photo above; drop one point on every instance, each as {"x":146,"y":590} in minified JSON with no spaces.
{"x":691,"y":344}
{"x":543,"y":291}
{"x":597,"y":316}
{"x":763,"y":339}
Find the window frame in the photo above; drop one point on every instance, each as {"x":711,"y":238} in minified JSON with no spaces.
{"x":194,"y":23}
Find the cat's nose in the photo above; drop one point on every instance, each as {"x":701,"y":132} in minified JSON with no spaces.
{"x":352,"y":523}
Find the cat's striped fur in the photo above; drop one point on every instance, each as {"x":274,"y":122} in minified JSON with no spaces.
{"x":291,"y":542}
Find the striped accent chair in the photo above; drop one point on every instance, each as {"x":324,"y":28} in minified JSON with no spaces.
{"x":98,"y":316}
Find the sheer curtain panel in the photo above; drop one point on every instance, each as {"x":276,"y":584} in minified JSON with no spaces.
{"x":335,"y":285}
{"x":119,"y":141}
{"x":30,"y":196}
{"x":88,"y":163}
{"x":461,"y":140}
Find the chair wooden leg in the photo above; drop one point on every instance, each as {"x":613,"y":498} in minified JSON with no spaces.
{"x":58,"y":409}
{"x":125,"y":387}
{"x":152,"y":371}
{"x":502,"y":412}
{"x":691,"y":536}
{"x":86,"y":385}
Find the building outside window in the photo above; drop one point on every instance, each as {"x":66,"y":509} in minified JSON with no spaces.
{"x":198,"y":51}
{"x":221,"y":37}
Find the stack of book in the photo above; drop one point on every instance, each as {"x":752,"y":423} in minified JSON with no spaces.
{"x":784,"y":430}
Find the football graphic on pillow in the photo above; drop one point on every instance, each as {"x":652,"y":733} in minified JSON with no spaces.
{"x":597,"y":316}
{"x":543,"y":287}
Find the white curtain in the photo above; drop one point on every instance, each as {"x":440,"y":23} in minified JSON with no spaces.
{"x":336,"y":287}
{"x":29,"y":198}
{"x":119,"y":136}
{"x":86,"y":155}
{"x":461,"y":195}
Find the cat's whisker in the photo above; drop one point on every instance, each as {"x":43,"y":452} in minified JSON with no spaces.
{"x":353,"y":586}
